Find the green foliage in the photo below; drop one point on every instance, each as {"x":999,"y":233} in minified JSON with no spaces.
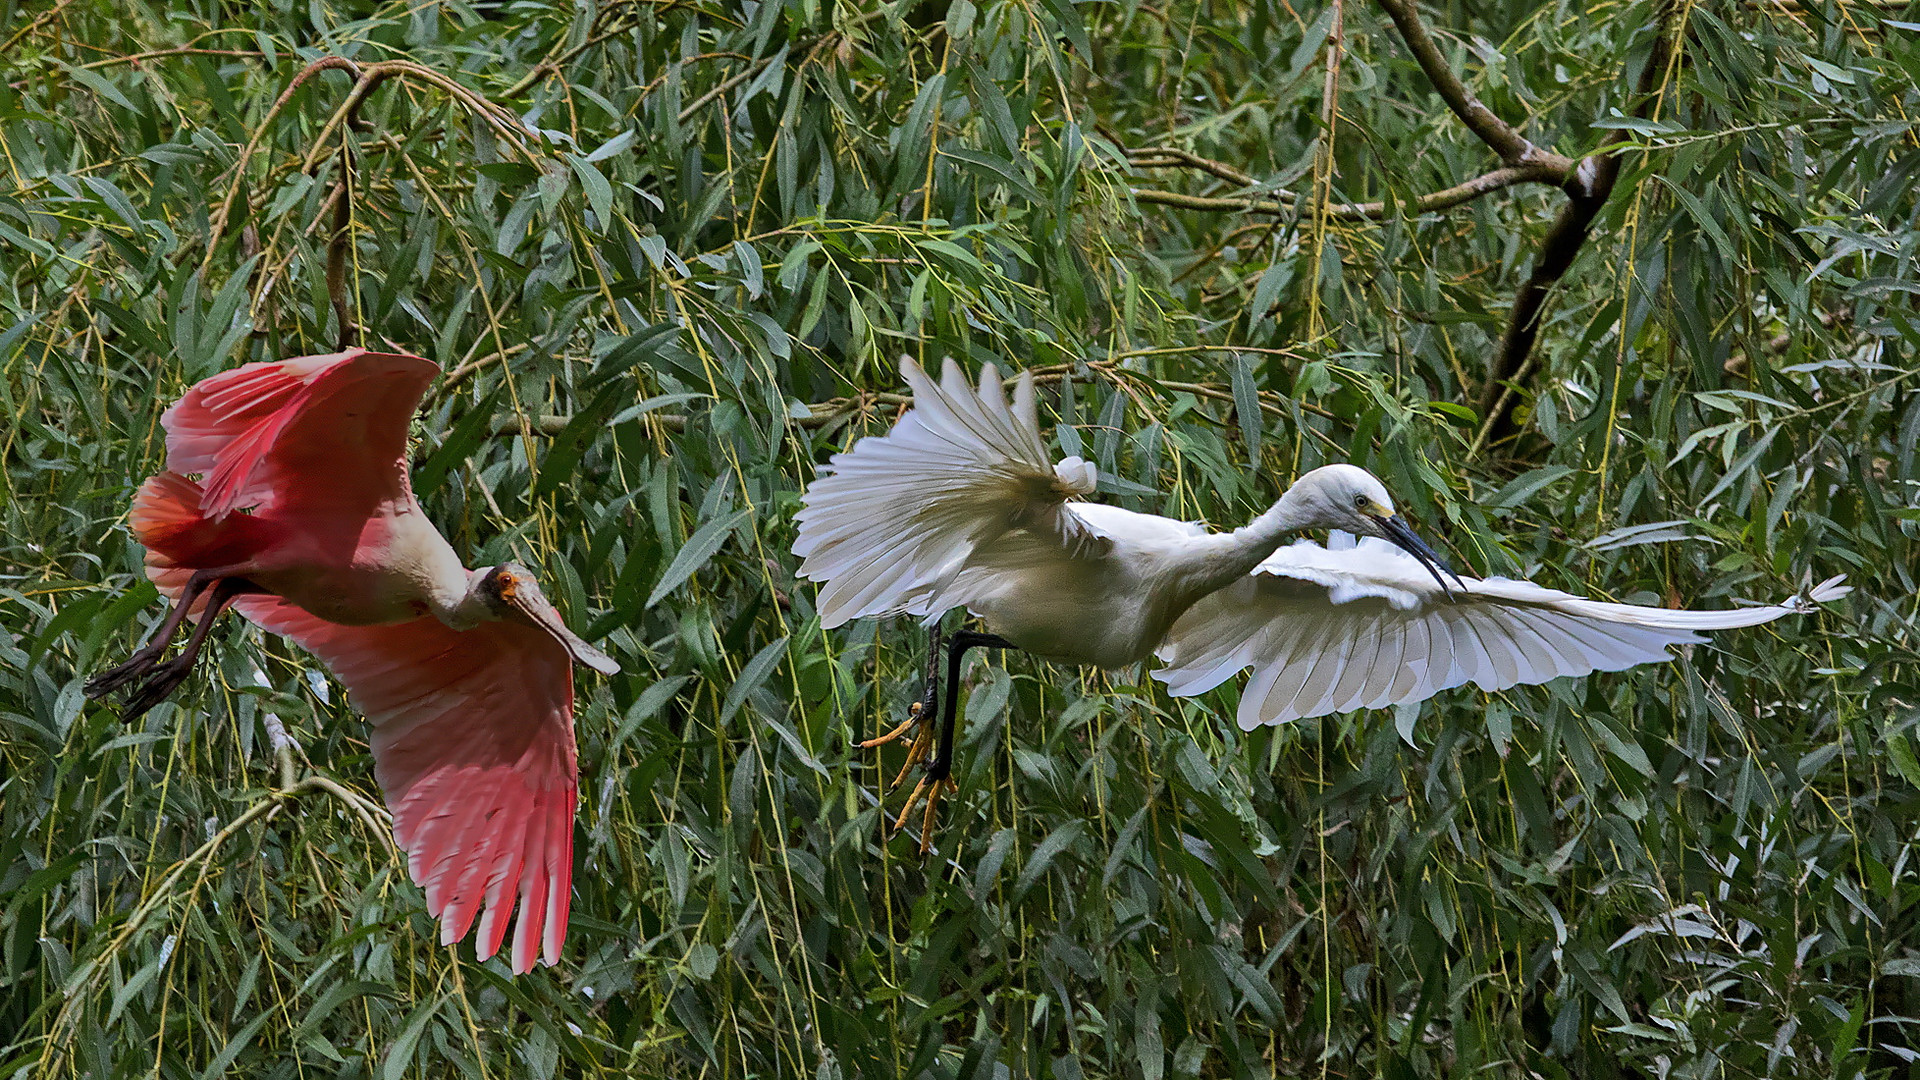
{"x":667,"y":254}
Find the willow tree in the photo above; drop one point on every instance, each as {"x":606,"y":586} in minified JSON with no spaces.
{"x":1615,"y":296}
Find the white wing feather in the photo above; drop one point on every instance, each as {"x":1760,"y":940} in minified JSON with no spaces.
{"x":889,"y":524}
{"x":1363,"y":626}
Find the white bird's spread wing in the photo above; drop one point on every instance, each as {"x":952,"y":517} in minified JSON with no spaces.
{"x":1332,"y":629}
{"x":889,"y":524}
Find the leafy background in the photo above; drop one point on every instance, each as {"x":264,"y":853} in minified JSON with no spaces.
{"x":668,"y":253}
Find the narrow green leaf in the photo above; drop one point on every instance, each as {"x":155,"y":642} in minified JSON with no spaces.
{"x":700,"y":547}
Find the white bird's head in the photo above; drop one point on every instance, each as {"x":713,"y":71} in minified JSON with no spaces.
{"x":510,"y":594}
{"x":1351,"y":498}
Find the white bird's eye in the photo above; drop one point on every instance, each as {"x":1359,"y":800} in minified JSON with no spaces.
{"x":1360,"y":502}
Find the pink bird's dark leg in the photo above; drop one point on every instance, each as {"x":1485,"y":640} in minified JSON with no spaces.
{"x":146,"y":656}
{"x":163,"y":677}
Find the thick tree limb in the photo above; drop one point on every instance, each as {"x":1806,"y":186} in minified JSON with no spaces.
{"x":1588,"y":189}
{"x":1512,"y":147}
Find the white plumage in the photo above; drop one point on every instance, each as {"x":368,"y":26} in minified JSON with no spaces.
{"x":1362,"y":626}
{"x":959,"y":506}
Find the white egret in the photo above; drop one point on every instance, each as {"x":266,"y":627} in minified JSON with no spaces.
{"x":959,"y":506}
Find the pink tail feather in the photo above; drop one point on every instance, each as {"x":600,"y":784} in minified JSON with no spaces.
{"x":179,"y":539}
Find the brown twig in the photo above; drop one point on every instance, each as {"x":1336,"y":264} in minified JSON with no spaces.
{"x":156,"y":54}
{"x":1155,"y":157}
{"x":552,"y":64}
{"x":42,"y":20}
{"x":1224,"y":204}
{"x":337,"y":245}
{"x":1444,"y":199}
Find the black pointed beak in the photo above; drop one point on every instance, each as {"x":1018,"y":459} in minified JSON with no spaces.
{"x":1406,"y":540}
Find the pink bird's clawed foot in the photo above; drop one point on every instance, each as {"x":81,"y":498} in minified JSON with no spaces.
{"x":146,"y":656}
{"x":162,"y":679}
{"x":137,"y":665}
{"x":158,"y":677}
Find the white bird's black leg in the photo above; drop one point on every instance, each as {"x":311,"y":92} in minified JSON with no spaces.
{"x":940,"y":765}
{"x":936,"y":768}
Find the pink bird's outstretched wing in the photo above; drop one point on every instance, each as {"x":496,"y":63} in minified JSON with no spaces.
{"x":473,"y":744}
{"x":327,"y":431}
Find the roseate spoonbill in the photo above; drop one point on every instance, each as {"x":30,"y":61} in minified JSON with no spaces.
{"x":959,"y":506}
{"x":304,"y":520}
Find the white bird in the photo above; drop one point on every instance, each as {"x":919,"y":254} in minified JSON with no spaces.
{"x":959,"y":506}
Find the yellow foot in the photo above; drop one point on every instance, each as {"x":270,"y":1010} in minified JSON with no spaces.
{"x":932,"y":790}
{"x":913,"y":717}
{"x":919,"y":752}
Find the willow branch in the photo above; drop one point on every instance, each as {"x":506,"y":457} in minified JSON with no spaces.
{"x":1158,"y":157}
{"x":219,"y":223}
{"x":824,"y":413}
{"x":1227,"y":205}
{"x":1444,"y":199}
{"x":556,"y":60}
{"x":366,"y":79}
{"x":44,"y":18}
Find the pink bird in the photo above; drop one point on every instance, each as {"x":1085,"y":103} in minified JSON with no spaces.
{"x":305,"y":522}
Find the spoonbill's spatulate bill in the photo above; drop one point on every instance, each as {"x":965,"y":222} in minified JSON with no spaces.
{"x":959,"y":505}
{"x":465,"y":675}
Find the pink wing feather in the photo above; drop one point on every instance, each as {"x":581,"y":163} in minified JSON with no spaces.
{"x":473,"y":744}
{"x":328,"y":429}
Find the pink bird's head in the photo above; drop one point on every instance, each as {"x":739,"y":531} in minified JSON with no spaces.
{"x":512,"y":595}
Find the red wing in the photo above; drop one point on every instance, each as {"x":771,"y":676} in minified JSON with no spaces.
{"x":315,"y":430}
{"x":473,"y":744}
